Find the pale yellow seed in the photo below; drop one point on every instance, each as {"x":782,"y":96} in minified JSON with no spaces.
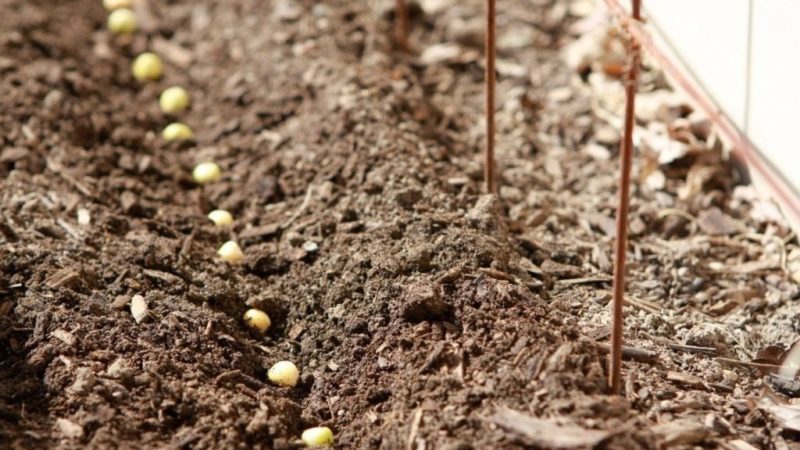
{"x":177,"y":132}
{"x":111,"y":5}
{"x":231,"y":252}
{"x":257,"y":320}
{"x":147,"y":66}
{"x":284,"y":373}
{"x":174,"y":100}
{"x":122,"y":21}
{"x":317,"y":437}
{"x":220,"y":217}
{"x":206,"y":172}
{"x":138,"y":308}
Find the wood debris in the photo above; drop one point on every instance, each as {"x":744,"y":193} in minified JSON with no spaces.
{"x":64,"y":336}
{"x":686,"y":379}
{"x":548,"y":433}
{"x":680,"y":432}
{"x":787,"y":416}
{"x":63,"y":278}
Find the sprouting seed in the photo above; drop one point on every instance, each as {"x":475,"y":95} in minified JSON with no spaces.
{"x":257,"y":320}
{"x":231,"y":252}
{"x":147,"y":67}
{"x":177,"y":132}
{"x":284,"y":373}
{"x":122,"y":21}
{"x":206,"y":172}
{"x":317,"y":437}
{"x":111,"y":5}
{"x":220,"y":217}
{"x":174,"y":100}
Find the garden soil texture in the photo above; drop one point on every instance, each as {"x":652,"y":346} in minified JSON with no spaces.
{"x":422,"y":313}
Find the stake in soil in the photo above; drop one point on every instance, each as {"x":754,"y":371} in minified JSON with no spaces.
{"x":625,"y":157}
{"x":489,"y":166}
{"x":401,"y":24}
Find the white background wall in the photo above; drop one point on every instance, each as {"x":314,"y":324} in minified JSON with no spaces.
{"x":711,"y":37}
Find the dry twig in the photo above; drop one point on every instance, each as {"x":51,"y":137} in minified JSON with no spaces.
{"x":632,"y":353}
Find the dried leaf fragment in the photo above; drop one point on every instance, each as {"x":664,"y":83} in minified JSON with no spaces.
{"x":738,"y":444}
{"x":64,"y":336}
{"x":715,"y":222}
{"x":787,"y":416}
{"x":547,"y":433}
{"x":679,"y":432}
{"x":63,"y":278}
{"x":685,"y":379}
{"x":771,"y":354}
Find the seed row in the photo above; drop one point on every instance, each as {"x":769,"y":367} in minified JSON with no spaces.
{"x":173,"y":102}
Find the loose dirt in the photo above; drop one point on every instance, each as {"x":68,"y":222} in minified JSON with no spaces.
{"x":418,"y":310}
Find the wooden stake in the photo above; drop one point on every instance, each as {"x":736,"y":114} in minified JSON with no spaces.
{"x":401,"y":24}
{"x":489,"y":167}
{"x":625,"y":159}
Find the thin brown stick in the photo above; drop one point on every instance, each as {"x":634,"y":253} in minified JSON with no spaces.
{"x":748,"y":364}
{"x":489,"y":167}
{"x":625,"y":158}
{"x":632,"y":353}
{"x":692,"y":349}
{"x":401,"y":24}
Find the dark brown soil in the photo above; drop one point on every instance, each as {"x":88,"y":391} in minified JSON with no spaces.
{"x":422,"y":308}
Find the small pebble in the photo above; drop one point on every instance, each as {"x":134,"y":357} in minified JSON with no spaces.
{"x":84,"y":217}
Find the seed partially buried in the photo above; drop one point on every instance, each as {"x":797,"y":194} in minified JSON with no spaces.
{"x":317,"y":437}
{"x":206,"y":172}
{"x":147,"y":67}
{"x":174,"y":100}
{"x":177,"y":131}
{"x":230,"y":252}
{"x":122,"y":21}
{"x":284,"y":373}
{"x":257,"y":320}
{"x":220,"y":217}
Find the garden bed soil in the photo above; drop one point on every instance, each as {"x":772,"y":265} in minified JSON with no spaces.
{"x":421,"y":313}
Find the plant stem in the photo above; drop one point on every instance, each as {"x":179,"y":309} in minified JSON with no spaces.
{"x":489,"y":167}
{"x":625,"y":158}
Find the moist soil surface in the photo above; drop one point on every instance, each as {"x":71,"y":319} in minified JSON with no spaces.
{"x":421,"y":313}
